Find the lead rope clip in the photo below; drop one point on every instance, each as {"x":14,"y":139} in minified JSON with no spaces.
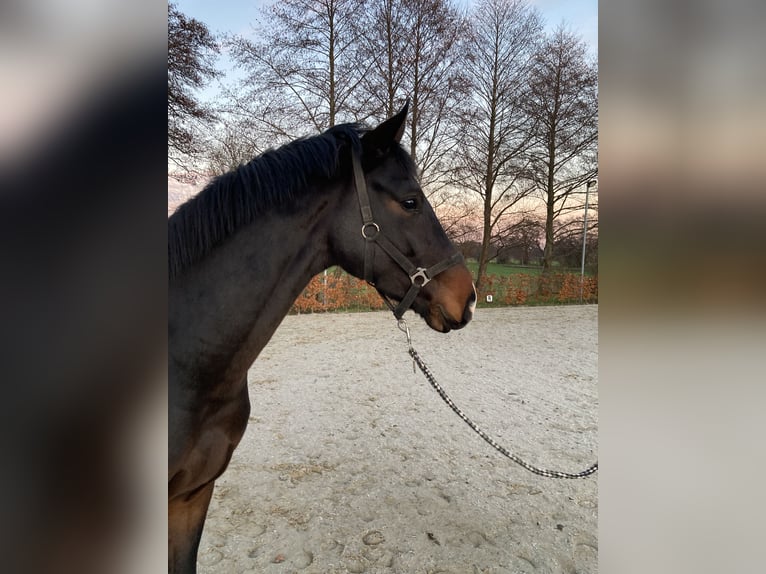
{"x":404,"y":328}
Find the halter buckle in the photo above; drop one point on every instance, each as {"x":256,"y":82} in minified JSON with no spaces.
{"x":420,"y":273}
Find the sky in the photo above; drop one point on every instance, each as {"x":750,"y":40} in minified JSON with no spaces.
{"x":236,"y":16}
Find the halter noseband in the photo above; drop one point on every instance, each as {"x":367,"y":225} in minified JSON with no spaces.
{"x":372,"y":235}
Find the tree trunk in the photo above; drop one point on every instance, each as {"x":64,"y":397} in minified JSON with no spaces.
{"x":390,"y":53}
{"x":331,"y":94}
{"x":415,"y":108}
{"x":548,"y":251}
{"x":486,"y":234}
{"x":550,"y":198}
{"x":489,"y":184}
{"x":414,"y":134}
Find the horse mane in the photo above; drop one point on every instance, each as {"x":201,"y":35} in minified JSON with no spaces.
{"x":272,"y":180}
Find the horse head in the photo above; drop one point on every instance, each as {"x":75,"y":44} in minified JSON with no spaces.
{"x":387,"y":233}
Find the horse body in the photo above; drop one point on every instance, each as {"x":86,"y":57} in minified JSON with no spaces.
{"x":229,"y":294}
{"x":211,"y":350}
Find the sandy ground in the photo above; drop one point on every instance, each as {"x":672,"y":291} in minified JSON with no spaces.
{"x":352,"y":463}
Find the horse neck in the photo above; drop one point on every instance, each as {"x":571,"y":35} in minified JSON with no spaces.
{"x":225,"y":310}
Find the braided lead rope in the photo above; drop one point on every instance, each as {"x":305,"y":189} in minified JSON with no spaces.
{"x":445,"y":397}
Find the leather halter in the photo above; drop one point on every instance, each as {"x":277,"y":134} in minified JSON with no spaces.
{"x":372,"y":234}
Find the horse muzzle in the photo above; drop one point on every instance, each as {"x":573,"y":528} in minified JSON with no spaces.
{"x":449,"y":300}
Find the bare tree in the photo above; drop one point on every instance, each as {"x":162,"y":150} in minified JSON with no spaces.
{"x":191,"y":58}
{"x":231,"y":145}
{"x":520,"y":238}
{"x":497,"y":132}
{"x":569,"y":241}
{"x":457,"y":214}
{"x":384,"y":34}
{"x":413,"y":48}
{"x":438,"y":86}
{"x":563,"y":102}
{"x":302,"y":70}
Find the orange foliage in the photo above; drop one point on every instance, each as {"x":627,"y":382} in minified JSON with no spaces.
{"x":526,"y":289}
{"x":338,"y":291}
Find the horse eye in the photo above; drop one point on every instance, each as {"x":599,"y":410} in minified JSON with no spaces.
{"x":409,"y":204}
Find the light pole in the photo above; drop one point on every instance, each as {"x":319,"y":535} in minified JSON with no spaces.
{"x":584,"y":236}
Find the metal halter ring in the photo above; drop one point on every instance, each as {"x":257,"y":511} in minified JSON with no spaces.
{"x":374,"y":235}
{"x":420,"y":272}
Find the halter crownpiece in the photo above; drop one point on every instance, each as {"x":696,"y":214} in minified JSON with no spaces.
{"x":419,"y":276}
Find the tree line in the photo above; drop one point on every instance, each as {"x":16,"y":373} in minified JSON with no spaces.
{"x":503,"y":117}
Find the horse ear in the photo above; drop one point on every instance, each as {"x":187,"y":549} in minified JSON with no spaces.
{"x":380,"y":139}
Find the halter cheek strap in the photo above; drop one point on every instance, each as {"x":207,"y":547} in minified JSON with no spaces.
{"x":419,"y":276}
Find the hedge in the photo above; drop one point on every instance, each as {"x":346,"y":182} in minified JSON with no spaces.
{"x":339,"y":291}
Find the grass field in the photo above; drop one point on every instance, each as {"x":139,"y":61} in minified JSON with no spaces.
{"x":502,"y":269}
{"x":506,"y":270}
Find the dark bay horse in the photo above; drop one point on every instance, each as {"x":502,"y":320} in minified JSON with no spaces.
{"x":244,"y":249}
